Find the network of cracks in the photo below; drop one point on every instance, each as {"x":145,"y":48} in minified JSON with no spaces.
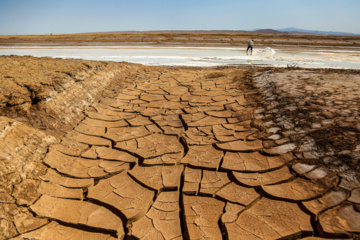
{"x":179,"y":155}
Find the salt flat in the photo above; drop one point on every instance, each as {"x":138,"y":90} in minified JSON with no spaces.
{"x":200,"y":56}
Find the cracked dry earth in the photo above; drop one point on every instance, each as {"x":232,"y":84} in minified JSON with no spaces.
{"x":178,"y":154}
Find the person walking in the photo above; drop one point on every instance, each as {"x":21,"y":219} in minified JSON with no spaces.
{"x":250,"y":46}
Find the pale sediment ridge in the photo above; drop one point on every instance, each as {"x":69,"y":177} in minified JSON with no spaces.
{"x":141,"y":152}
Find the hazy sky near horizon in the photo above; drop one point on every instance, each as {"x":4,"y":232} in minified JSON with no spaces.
{"x":79,"y":16}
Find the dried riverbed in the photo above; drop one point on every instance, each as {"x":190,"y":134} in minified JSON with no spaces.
{"x":116,"y":150}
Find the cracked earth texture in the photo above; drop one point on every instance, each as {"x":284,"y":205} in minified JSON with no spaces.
{"x":175,"y":153}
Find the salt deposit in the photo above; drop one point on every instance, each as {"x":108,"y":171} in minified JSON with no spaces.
{"x":199,"y":56}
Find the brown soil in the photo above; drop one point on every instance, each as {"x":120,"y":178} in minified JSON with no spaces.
{"x":100,"y":150}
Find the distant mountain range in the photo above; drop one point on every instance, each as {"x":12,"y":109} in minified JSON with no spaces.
{"x":299,"y":30}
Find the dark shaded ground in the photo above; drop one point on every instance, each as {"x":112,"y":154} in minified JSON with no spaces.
{"x":318,"y":110}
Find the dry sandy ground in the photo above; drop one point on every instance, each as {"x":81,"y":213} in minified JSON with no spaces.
{"x":100,"y":150}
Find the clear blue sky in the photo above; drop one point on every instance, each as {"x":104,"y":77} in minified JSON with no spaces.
{"x":78,"y":16}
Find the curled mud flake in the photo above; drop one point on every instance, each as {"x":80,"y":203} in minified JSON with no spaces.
{"x":254,"y":162}
{"x":54,"y":190}
{"x":201,"y":216}
{"x":223,"y":134}
{"x":205,"y":156}
{"x":159,"y":177}
{"x":171,"y":120}
{"x":114,"y":166}
{"x":126,"y":97}
{"x":355,"y":196}
{"x":212,"y":182}
{"x":126,"y":133}
{"x":320,"y":238}
{"x":286,"y":148}
{"x":329,"y":200}
{"x":341,"y":219}
{"x":302,"y":168}
{"x":153,"y":128}
{"x":90,"y":140}
{"x":25,"y":222}
{"x":220,"y":130}
{"x":238,"y":194}
{"x":349,"y":183}
{"x":240,"y":145}
{"x":90,"y":153}
{"x":162,"y":220}
{"x":267,"y":178}
{"x":70,"y":147}
{"x":167,"y":159}
{"x":220,"y":114}
{"x":190,"y":118}
{"x":55,"y":178}
{"x":103,"y":117}
{"x":108,"y":124}
{"x":192,"y":179}
{"x":139,"y":121}
{"x":194,"y":136}
{"x":207,"y":121}
{"x":76,"y":167}
{"x":151,"y":97}
{"x":115,"y":155}
{"x":161,"y":104}
{"x":301,"y":189}
{"x":85,"y":213}
{"x":90,"y":130}
{"x":232,"y":212}
{"x":124,"y":194}
{"x":154,"y":113}
{"x":200,"y":99}
{"x":317,"y":173}
{"x":269,"y":219}
{"x":154,"y":145}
